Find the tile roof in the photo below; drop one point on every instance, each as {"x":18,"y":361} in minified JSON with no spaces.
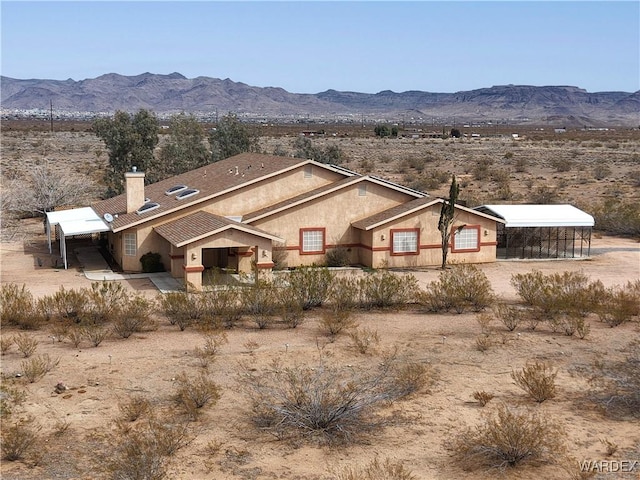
{"x":394,"y":212}
{"x":202,"y":224}
{"x":211,"y":180}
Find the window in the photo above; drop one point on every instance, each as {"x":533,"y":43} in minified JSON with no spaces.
{"x":147,"y":207}
{"x":190,"y":192}
{"x":466,"y":239}
{"x":312,"y":240}
{"x":308,"y":171}
{"x":175,"y":189}
{"x":404,"y":242}
{"x":130,"y":244}
{"x":362,"y":189}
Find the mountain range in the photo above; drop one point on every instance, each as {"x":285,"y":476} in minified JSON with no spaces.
{"x":167,"y":94}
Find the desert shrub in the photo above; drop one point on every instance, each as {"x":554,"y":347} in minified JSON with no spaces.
{"x":322,"y":403}
{"x":135,"y":317}
{"x":572,"y":324}
{"x":76,"y":335}
{"x":19,"y":438}
{"x":213,"y":341}
{"x":562,"y":164}
{"x":95,"y":334}
{"x":194,"y":393}
{"x":151,"y":262}
{"x":507,"y":439}
{"x":483,"y":342}
{"x":344,"y":293}
{"x":17,"y":306}
{"x":409,"y":378}
{"x":183,"y":308}
{"x":376,"y":470}
{"x":37,"y":367}
{"x":617,"y":383}
{"x":610,"y":447}
{"x":558,"y":293}
{"x":337,"y":257}
{"x":458,"y":288}
{"x":363,"y":339}
{"x":617,"y":216}
{"x":508,"y":315}
{"x":134,"y":407}
{"x":26,"y":344}
{"x":290,"y":311}
{"x":384,"y":289}
{"x":619,"y":304}
{"x":261,"y":302}
{"x":601,"y":171}
{"x":70,"y":304}
{"x":482,"y":397}
{"x":537,"y":379}
{"x":10,"y":397}
{"x":106,"y":300}
{"x":5,"y":344}
{"x":333,"y":322}
{"x":482,"y":169}
{"x":310,"y":285}
{"x":221,"y":306}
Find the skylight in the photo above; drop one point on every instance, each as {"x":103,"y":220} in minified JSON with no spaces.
{"x":175,"y":189}
{"x":147,"y":207}
{"x":187,"y":193}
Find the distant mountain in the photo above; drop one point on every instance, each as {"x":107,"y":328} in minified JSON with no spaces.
{"x":166,"y":94}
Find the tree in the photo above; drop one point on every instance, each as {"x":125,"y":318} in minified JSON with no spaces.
{"x":185,"y":149}
{"x":44,"y":189}
{"x":382,"y":131}
{"x":455,"y":133}
{"x":230,"y":138}
{"x":447,"y":213}
{"x":130,"y":141}
{"x":304,"y":148}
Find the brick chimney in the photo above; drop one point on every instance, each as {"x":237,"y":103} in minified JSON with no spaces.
{"x":134,"y":187}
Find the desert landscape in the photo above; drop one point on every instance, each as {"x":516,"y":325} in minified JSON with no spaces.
{"x":78,"y":411}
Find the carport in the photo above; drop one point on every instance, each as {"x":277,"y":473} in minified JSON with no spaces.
{"x":541,"y":231}
{"x":72,"y":223}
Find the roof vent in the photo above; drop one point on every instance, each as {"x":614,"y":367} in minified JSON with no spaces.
{"x":134,"y":169}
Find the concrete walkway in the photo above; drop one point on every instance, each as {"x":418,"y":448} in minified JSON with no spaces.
{"x":96,"y":268}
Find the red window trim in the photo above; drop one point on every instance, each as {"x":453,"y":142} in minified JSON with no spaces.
{"x":400,"y":254}
{"x":324,"y":240}
{"x":462,"y":250}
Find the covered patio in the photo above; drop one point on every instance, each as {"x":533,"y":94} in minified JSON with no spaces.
{"x":541,"y":231}
{"x":73,"y":223}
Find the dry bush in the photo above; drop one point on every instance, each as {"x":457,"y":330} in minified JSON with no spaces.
{"x":572,"y":324}
{"x":384,"y":289}
{"x":337,"y":257}
{"x":135,"y":317}
{"x":333,"y":322}
{"x":620,"y":304}
{"x":134,"y":407}
{"x":37,"y":367}
{"x":71,"y":304}
{"x":290,"y":311}
{"x":19,"y":439}
{"x":5,"y":344}
{"x":483,"y":342}
{"x":364,"y":339}
{"x":183,"y":308}
{"x":538,"y":380}
{"x":483,"y":397}
{"x":222,"y":305}
{"x":106,"y":300}
{"x":95,"y":334}
{"x":310,"y":285}
{"x":323,"y":403}
{"x":261,"y":302}
{"x":484,"y":320}
{"x":458,"y":288}
{"x":213,"y":341}
{"x":610,"y":447}
{"x":508,"y":315}
{"x":344,"y":293}
{"x":506,"y":439}
{"x":194,"y":393}
{"x":17,"y":307}
{"x":376,"y":470}
{"x":26,"y":344}
{"x":10,"y":397}
{"x":617,"y":216}
{"x":617,"y":383}
{"x":76,"y":335}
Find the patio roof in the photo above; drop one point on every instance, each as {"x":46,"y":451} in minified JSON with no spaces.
{"x":563,"y":215}
{"x":75,"y":221}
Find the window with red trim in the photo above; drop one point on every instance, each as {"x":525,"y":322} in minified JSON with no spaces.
{"x":405,"y":241}
{"x":466,"y":239}
{"x":312,"y":240}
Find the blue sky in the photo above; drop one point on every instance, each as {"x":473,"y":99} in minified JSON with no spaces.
{"x":309,"y":47}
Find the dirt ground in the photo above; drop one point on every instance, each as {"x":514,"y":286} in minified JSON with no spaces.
{"x":101,"y":377}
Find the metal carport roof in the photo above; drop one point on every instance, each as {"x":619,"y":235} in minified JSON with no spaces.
{"x":563,"y":215}
{"x":76,"y":221}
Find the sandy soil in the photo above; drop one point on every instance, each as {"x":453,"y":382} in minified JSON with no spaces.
{"x":148,"y":363}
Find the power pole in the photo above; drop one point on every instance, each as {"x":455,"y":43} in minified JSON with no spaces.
{"x":51,"y":113}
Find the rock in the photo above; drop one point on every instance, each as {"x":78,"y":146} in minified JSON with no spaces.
{"x":60,"y":387}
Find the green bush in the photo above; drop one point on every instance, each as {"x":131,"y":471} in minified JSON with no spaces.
{"x":383,"y":289}
{"x":310,"y":285}
{"x":151,"y":262}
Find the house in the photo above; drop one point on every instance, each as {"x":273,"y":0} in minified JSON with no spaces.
{"x":236,"y":213}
